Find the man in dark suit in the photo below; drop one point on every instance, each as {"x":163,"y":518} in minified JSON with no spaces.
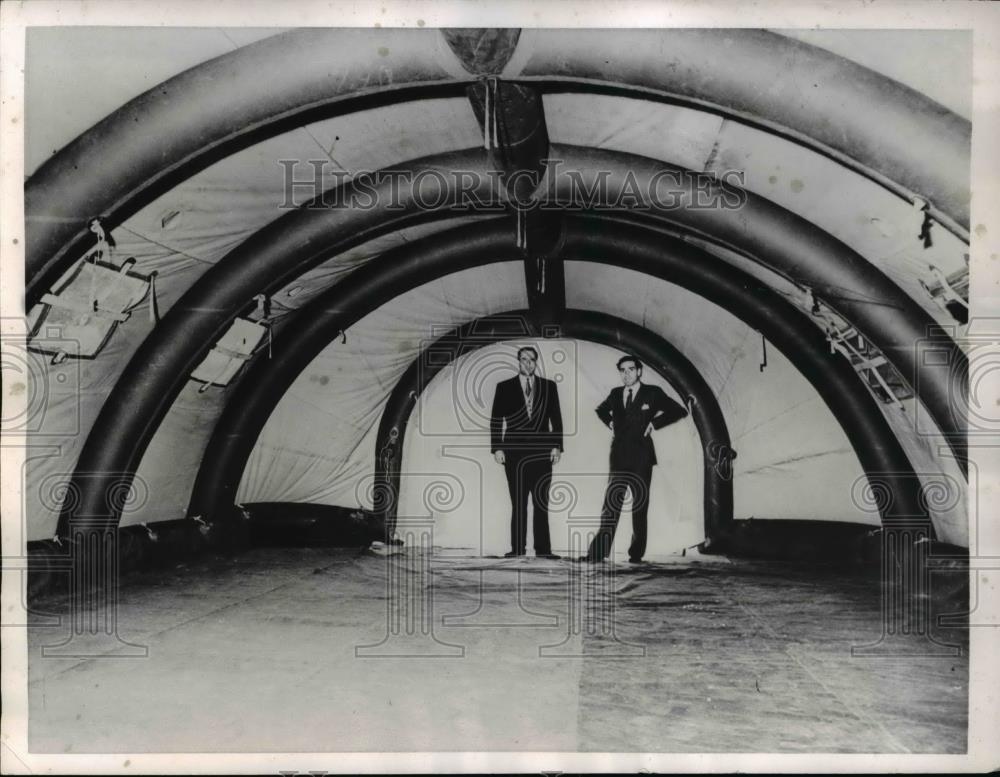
{"x":526,"y":436}
{"x":632,"y":412}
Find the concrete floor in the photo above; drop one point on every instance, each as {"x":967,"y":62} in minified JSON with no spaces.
{"x":310,"y":650}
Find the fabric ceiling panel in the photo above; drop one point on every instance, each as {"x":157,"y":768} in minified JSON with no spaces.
{"x":318,"y":445}
{"x":178,"y":237}
{"x":212,"y":212}
{"x":679,"y":135}
{"x":874,"y":222}
{"x":374,"y":139}
{"x":878,"y":225}
{"x":206,"y":216}
{"x":128,"y":61}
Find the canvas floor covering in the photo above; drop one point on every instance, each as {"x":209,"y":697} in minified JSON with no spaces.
{"x":291,"y":649}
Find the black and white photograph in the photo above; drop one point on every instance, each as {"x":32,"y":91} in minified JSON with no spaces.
{"x":459,"y":387}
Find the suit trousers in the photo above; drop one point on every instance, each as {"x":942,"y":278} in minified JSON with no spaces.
{"x":529,"y":476}
{"x":636,"y":479}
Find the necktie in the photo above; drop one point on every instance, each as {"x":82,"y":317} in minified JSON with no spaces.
{"x":628,"y":399}
{"x":527,"y":394}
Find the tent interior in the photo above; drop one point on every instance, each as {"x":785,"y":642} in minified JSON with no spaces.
{"x":223,"y":352}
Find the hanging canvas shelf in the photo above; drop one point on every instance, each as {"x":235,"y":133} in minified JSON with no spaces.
{"x":231,"y":352}
{"x":86,"y":305}
{"x":949,"y":292}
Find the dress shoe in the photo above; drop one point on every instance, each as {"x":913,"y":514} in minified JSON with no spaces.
{"x":634,"y":560}
{"x":512,"y":554}
{"x":547,"y":555}
{"x":588,"y":560}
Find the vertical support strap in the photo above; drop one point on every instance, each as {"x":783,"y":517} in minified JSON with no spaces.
{"x":154,"y":309}
{"x":491,"y":129}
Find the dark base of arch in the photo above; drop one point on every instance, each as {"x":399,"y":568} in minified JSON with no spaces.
{"x":828,"y":542}
{"x":59,"y":569}
{"x":658,"y":355}
{"x":142,"y":551}
{"x":68,"y":566}
{"x":894,"y":489}
{"x":311,"y":525}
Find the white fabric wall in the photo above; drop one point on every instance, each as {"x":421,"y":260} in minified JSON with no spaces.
{"x":450,"y":474}
{"x":169,"y":466}
{"x":319,"y":443}
{"x":74,"y":393}
{"x":318,"y":446}
{"x":794,"y":461}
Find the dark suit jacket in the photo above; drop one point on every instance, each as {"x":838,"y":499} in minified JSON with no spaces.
{"x":630,"y":447}
{"x":510,"y":426}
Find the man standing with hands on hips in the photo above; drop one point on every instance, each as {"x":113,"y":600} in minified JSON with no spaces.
{"x":632,"y":412}
{"x":526,"y":437}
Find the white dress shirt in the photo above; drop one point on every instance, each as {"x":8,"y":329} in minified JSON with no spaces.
{"x":634,"y":388}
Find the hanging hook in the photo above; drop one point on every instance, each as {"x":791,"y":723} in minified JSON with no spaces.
{"x":926,"y":222}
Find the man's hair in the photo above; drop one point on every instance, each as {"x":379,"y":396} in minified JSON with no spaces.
{"x":633,"y":359}
{"x":524,"y":348}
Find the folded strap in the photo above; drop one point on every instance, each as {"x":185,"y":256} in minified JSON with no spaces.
{"x":80,"y":307}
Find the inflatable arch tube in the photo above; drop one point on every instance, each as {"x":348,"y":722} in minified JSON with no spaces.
{"x":872,"y":123}
{"x":656,"y":353}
